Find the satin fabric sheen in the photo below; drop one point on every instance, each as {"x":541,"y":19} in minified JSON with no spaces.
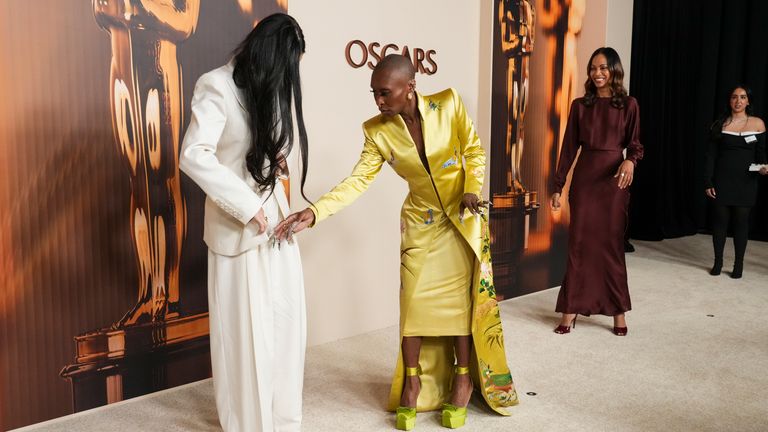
{"x":431,"y":228}
{"x":595,"y":280}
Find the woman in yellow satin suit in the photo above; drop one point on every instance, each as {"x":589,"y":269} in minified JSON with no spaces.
{"x":447,"y":299}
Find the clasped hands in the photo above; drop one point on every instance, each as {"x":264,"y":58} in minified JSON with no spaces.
{"x":284,"y":230}
{"x":299,"y":221}
{"x":294,"y":223}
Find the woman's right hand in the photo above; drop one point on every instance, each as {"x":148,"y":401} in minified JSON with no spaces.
{"x":554,"y":201}
{"x":711,"y":193}
{"x":260,"y":220}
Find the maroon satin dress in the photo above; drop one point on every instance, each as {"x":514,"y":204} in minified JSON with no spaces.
{"x":596,"y":277}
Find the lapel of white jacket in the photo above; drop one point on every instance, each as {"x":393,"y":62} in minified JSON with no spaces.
{"x":230,"y":68}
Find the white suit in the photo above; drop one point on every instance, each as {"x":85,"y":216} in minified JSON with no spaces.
{"x":255,"y":290}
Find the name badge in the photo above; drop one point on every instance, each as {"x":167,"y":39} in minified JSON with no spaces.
{"x":750,"y":138}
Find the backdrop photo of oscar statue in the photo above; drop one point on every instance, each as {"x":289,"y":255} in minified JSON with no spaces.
{"x":535,"y":73}
{"x":103,"y":279}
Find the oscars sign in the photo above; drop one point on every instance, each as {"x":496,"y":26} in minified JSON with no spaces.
{"x":359,"y":54}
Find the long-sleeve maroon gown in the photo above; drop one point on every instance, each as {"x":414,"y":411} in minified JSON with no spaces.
{"x":595,"y":280}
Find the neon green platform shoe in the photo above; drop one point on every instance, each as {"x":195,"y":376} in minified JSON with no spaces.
{"x":405,"y":417}
{"x":454,"y":417}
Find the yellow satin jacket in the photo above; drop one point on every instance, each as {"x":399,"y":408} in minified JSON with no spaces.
{"x":456,"y":161}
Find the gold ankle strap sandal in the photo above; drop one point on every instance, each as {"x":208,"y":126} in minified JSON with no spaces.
{"x":454,"y":417}
{"x":405,"y":417}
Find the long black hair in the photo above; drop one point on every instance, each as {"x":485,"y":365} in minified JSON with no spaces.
{"x":725,"y":117}
{"x":267,"y":71}
{"x":616,"y":82}
{"x":715,"y":130}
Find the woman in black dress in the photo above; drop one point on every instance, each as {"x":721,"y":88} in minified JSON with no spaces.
{"x":738,"y":140}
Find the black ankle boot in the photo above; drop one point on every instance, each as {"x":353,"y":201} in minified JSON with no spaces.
{"x":738,"y":267}
{"x":717,"y":267}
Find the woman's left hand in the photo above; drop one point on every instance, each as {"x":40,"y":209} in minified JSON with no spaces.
{"x":625,"y":174}
{"x":472,"y":203}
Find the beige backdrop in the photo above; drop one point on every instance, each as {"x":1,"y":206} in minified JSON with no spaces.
{"x":351,"y":260}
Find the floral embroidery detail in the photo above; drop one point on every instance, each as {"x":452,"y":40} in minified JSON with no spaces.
{"x":486,"y":308}
{"x":452,"y":161}
{"x":487,"y":287}
{"x":486,"y":266}
{"x":486,"y":270}
{"x":430,"y":217}
{"x":498,"y":387}
{"x":494,"y":335}
{"x":434,"y":106}
{"x":402,"y":226}
{"x":495,"y":379}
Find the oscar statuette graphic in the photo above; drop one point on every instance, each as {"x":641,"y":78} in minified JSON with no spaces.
{"x":513,"y":203}
{"x":140,"y":352}
{"x":561,"y":23}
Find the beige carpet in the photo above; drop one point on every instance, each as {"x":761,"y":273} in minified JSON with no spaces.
{"x":695,"y":359}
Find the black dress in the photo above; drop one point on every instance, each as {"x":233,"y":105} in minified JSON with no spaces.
{"x":728,"y":160}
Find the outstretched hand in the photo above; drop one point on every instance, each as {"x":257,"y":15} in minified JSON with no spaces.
{"x":293,"y":224}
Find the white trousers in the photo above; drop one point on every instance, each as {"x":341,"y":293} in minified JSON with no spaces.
{"x":258,"y":338}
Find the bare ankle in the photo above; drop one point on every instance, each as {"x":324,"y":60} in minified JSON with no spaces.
{"x":619,"y":321}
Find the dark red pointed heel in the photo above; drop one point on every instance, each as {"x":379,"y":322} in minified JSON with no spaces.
{"x":620,"y":331}
{"x":561,"y":329}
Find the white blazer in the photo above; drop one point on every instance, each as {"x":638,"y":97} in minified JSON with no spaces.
{"x":213,"y":155}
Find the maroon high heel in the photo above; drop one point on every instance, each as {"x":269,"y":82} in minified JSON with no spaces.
{"x":619,"y":331}
{"x":561,"y":329}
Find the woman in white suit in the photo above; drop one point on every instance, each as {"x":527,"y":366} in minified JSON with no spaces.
{"x":240,"y":134}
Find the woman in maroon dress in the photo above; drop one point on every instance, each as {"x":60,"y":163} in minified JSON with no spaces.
{"x":602,"y":124}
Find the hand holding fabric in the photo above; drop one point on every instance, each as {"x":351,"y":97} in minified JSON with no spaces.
{"x":471,"y":202}
{"x":260,"y":220}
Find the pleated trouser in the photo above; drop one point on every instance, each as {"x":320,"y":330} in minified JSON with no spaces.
{"x":258,"y":338}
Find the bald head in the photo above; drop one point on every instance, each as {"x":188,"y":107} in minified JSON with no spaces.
{"x":395,"y":64}
{"x":393,"y":85}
